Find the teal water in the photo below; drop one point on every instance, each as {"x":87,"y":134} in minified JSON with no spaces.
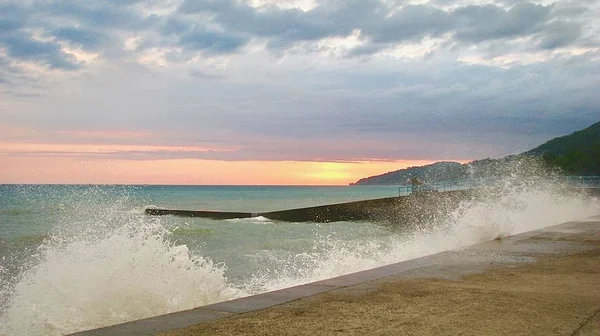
{"x":80,"y":257}
{"x":31,"y":213}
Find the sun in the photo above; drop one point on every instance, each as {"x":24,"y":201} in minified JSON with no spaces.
{"x":330,"y":172}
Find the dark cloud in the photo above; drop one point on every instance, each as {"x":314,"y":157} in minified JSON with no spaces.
{"x":410,"y":23}
{"x":384,"y":27}
{"x":211,"y":41}
{"x":559,"y":34}
{"x":98,"y":14}
{"x":23,"y":47}
{"x":366,"y":50}
{"x":221,"y":27}
{"x":13,"y":15}
{"x":194,"y":6}
{"x":480,"y":23}
{"x":31,"y":31}
{"x":84,"y":38}
{"x":286,"y":26}
{"x":175,"y":26}
{"x":8,"y":25}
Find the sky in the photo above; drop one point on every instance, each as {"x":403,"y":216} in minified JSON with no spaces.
{"x":319,"y":92}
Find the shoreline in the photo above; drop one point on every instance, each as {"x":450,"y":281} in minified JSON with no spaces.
{"x":539,"y":282}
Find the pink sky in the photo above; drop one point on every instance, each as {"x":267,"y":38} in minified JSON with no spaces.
{"x":71,"y":168}
{"x":124,"y":157}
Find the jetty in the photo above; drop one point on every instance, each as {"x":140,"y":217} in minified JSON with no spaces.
{"x":543,"y":282}
{"x":414,"y":209}
{"x":417,"y":206}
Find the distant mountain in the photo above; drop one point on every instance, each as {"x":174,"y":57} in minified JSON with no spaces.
{"x":574,"y":154}
{"x":436,"y":172}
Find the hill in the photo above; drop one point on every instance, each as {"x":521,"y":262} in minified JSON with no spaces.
{"x":574,"y":154}
{"x":584,"y":141}
{"x":436,"y":172}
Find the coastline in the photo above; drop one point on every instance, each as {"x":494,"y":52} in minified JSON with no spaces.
{"x":543,"y":282}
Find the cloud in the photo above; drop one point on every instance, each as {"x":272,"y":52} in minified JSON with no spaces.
{"x":24,"y":47}
{"x":84,"y":38}
{"x":98,"y":14}
{"x":343,"y":80}
{"x":212,"y":28}
{"x":383,"y":26}
{"x":211,"y":41}
{"x":412,"y":22}
{"x":8,"y":25}
{"x":489,"y":22}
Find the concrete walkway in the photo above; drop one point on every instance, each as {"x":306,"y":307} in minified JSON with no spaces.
{"x":544,"y":282}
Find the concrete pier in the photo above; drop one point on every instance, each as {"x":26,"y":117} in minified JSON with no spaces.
{"x":417,"y":207}
{"x":544,"y":282}
{"x":198,"y":213}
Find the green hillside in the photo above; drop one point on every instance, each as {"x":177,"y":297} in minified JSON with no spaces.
{"x":583,"y":141}
{"x":575,"y":154}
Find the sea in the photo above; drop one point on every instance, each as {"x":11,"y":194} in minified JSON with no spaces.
{"x":78,"y":257}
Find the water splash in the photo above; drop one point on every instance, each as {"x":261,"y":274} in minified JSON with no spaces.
{"x":501,"y":210}
{"x":89,"y":281}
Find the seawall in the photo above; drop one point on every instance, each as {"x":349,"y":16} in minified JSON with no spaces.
{"x":543,"y":282}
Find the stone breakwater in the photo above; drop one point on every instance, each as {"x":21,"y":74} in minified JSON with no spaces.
{"x":397,"y":213}
{"x":414,"y":208}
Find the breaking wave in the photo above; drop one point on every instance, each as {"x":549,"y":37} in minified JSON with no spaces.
{"x":125,"y":266}
{"x":87,"y":281}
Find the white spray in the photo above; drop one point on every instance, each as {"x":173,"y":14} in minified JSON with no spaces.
{"x":511,"y":208}
{"x":91,"y":281}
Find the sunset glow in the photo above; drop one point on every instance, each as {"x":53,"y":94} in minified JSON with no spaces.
{"x":68,"y":169}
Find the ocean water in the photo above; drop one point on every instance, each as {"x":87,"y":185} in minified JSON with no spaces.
{"x":80,"y":257}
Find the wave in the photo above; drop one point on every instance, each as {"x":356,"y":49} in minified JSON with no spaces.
{"x":90,"y":281}
{"x":495,"y":213}
{"x":252,"y":220}
{"x":109,"y":267}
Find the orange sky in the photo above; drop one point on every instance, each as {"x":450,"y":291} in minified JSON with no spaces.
{"x":102,"y":163}
{"x":73,"y":169}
